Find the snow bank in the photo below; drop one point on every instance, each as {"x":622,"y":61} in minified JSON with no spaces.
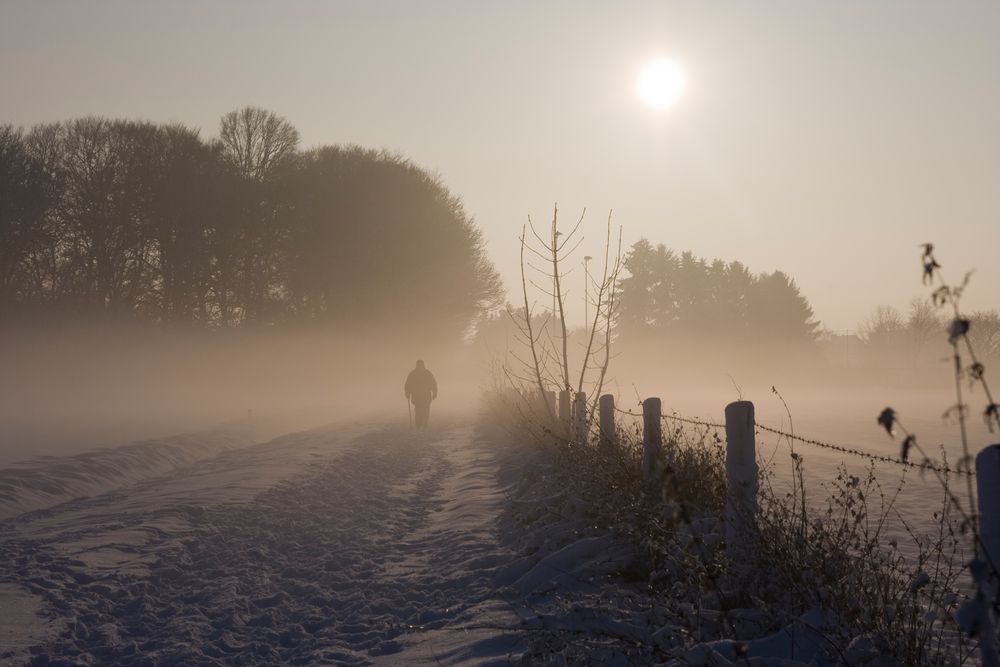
{"x":799,"y":644}
{"x":48,"y":481}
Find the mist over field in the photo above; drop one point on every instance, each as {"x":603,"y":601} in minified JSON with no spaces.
{"x":68,"y":391}
{"x":371,"y":333}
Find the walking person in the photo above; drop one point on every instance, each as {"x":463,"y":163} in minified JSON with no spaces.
{"x":421,"y":388}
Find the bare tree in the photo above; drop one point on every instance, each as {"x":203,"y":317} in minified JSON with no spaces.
{"x":547,"y":340}
{"x":254,"y":140}
{"x":106,"y":247}
{"x":257,"y":142}
{"x":24,"y":204}
{"x":923,"y":323}
{"x":605,"y":302}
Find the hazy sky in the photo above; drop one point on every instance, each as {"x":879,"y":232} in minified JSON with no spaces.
{"x":824,"y":139}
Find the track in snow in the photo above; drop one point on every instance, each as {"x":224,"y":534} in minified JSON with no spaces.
{"x":331,"y":546}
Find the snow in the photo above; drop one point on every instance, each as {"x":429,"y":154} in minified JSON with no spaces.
{"x":358,"y":543}
{"x":349,"y":545}
{"x":799,"y":643}
{"x":48,"y":481}
{"x":22,"y":626}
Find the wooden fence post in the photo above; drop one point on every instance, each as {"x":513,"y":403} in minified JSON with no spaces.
{"x":988,"y":484}
{"x":741,"y":474}
{"x":988,"y":487}
{"x":608,"y":433}
{"x":564,"y":408}
{"x":580,"y":430}
{"x":652,"y":435}
{"x":550,"y":400}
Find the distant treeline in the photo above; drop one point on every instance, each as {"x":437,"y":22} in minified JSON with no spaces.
{"x":126,"y":220}
{"x":891,"y":338}
{"x":685,"y":306}
{"x":677,"y":296}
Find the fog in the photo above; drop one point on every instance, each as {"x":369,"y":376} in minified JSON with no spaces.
{"x":832,"y":400}
{"x":68,"y":391}
{"x":830,"y":397}
{"x":286,"y":288}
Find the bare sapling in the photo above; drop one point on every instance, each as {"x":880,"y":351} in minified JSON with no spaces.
{"x":545,"y":334}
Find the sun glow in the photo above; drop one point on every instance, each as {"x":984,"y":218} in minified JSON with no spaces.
{"x":661,"y":83}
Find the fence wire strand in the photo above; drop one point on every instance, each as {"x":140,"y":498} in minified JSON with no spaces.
{"x":843,"y":449}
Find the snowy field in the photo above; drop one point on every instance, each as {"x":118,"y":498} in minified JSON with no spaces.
{"x":353,"y":544}
{"x":347,"y":545}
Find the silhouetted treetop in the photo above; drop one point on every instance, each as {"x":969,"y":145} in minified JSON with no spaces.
{"x":255,"y":140}
{"x":376,"y":238}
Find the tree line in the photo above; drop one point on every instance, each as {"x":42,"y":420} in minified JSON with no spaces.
{"x":671,"y":296}
{"x":893,"y":338}
{"x":677,"y":296}
{"x":131,"y":220}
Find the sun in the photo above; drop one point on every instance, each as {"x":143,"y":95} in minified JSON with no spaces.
{"x":661,"y":83}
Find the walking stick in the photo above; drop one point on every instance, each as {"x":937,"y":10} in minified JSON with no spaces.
{"x":409,"y":411}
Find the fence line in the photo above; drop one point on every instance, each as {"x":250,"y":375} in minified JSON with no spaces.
{"x":742,"y":481}
{"x":843,"y":449}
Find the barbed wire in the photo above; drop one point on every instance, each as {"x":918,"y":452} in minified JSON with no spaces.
{"x":695,"y":422}
{"x":854,"y":451}
{"x":843,"y":449}
{"x":674,"y":416}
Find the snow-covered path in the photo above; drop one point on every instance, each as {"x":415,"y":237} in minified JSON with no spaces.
{"x":346,"y":545}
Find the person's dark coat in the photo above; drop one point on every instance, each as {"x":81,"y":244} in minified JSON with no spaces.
{"x":421,"y":387}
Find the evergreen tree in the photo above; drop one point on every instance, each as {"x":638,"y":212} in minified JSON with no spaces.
{"x":778,"y":312}
{"x":684,"y":297}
